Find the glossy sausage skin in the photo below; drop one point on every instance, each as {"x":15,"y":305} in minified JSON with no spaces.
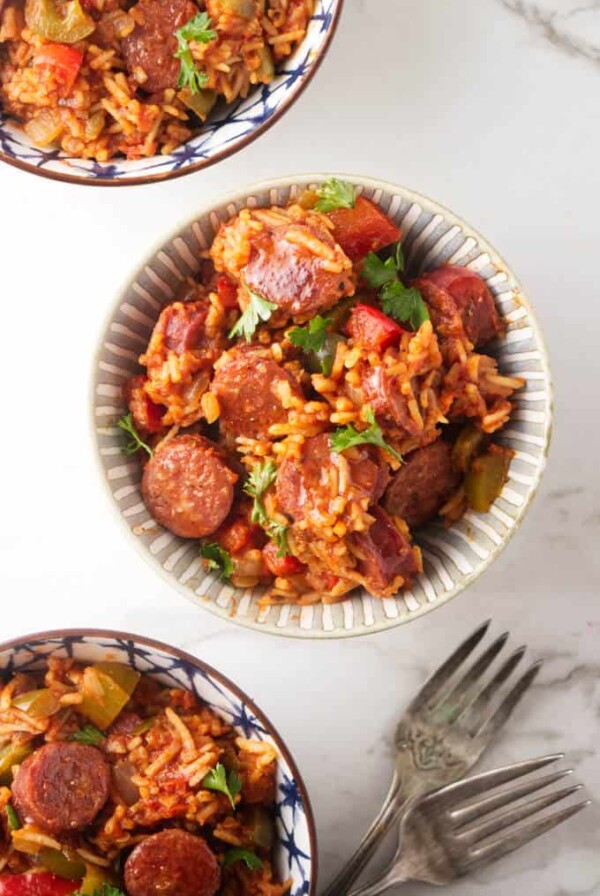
{"x":384,"y":554}
{"x":62,"y":786}
{"x":172,"y":863}
{"x":188,"y":487}
{"x":246,"y":386}
{"x":152,"y":44}
{"x":295,"y":279}
{"x":423,"y":484}
{"x":471,"y":298}
{"x":303,"y":484}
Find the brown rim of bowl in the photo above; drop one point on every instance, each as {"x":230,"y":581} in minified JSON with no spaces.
{"x":231,"y":150}
{"x":62,"y":633}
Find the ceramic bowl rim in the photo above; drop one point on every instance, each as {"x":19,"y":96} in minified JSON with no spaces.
{"x":63,"y":633}
{"x":242,"y":194}
{"x":230,"y":150}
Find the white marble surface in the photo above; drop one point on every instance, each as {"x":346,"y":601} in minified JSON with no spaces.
{"x":491,"y":107}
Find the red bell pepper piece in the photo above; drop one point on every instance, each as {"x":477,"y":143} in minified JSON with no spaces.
{"x":281,"y":566}
{"x":372,"y":328}
{"x":227,"y":292}
{"x":37,"y":884}
{"x":363,"y":229}
{"x":63,"y":59}
{"x":147,"y":416}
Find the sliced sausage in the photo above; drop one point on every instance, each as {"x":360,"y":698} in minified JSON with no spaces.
{"x":172,"y":863}
{"x":423,"y":484}
{"x":152,"y":44}
{"x":389,"y":404}
{"x":188,"y":487}
{"x":384,"y":554}
{"x":62,"y":786}
{"x":247,"y":384}
{"x":304,"y":484}
{"x":294,"y":278}
{"x":147,"y":416}
{"x":181,"y":327}
{"x":472,"y":299}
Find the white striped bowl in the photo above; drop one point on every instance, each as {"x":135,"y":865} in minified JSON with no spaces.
{"x":453,"y":557}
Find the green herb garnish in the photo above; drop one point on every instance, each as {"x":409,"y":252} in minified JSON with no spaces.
{"x":89,"y":735}
{"x":277,"y":532}
{"x":103,"y":890}
{"x":135,"y":443}
{"x":258,"y":309}
{"x":237,"y":854}
{"x":13,"y":819}
{"x":316,"y":339}
{"x":404,"y":304}
{"x":377,"y":272}
{"x":311,"y":338}
{"x":198,"y":30}
{"x":261,"y":477}
{"x":348,"y":436}
{"x":217,"y":558}
{"x":335,"y":194}
{"x":218,"y":779}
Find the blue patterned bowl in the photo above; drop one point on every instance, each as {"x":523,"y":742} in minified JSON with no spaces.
{"x":295,"y":853}
{"x":229,"y":129}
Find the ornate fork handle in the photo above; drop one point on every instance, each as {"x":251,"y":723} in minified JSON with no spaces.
{"x":396,"y":802}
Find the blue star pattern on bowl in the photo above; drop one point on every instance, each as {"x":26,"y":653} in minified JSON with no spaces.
{"x":293,"y":854}
{"x":229,"y":128}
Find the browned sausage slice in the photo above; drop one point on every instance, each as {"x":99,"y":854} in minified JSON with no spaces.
{"x":152,"y":44}
{"x":188,"y":487}
{"x":62,"y":786}
{"x":471,"y":298}
{"x":247,"y":384}
{"x":423,"y":484}
{"x":172,"y":863}
{"x":384,"y":554}
{"x":382,"y":392}
{"x":292,"y":276}
{"x":304,"y":485}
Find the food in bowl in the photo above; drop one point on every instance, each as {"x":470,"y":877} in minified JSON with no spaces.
{"x":108,"y":78}
{"x":305,"y":405}
{"x":112,"y":784}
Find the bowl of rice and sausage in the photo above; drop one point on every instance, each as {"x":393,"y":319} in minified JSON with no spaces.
{"x":128,"y":768}
{"x":117,"y":92}
{"x":341,"y":398}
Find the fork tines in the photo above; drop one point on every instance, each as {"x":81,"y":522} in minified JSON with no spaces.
{"x":487,"y":826}
{"x":477,"y":704}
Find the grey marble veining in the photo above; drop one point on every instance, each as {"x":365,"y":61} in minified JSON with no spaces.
{"x":571,"y":25}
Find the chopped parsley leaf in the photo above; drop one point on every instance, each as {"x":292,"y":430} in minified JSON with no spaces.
{"x":377,"y":272}
{"x":258,"y":310}
{"x":217,"y":557}
{"x":347,"y":436}
{"x":89,"y":735}
{"x":197,"y":30}
{"x":135,"y":443}
{"x":404,"y":304}
{"x":311,"y":338}
{"x":335,"y":194}
{"x":218,"y":779}
{"x":104,"y":890}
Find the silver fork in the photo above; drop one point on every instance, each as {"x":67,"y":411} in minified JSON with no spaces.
{"x":447,"y":835}
{"x":441,"y":736}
